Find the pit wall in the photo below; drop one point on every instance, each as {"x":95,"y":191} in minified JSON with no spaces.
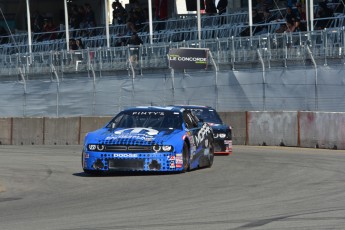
{"x":296,"y":129}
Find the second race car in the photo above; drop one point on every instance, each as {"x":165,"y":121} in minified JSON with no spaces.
{"x":222,"y":132}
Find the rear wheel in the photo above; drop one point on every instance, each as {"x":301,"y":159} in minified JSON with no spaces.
{"x":185,"y":156}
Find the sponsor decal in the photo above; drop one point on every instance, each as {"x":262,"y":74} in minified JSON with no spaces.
{"x":125,"y":155}
{"x":171,"y":158}
{"x":228,"y":145}
{"x":179,"y":165}
{"x":203,"y":132}
{"x":172,"y":165}
{"x":144,"y":134}
{"x":179,"y":159}
{"x":150,"y":113}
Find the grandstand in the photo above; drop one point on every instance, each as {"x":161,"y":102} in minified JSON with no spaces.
{"x":221,"y":34}
{"x":224,"y":40}
{"x":230,"y":51}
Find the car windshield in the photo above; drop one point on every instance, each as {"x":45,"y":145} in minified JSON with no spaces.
{"x":147,"y":119}
{"x":207,"y":115}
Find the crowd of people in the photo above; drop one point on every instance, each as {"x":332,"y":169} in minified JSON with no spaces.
{"x":81,"y":16}
{"x":134,"y":16}
{"x":292,"y":20}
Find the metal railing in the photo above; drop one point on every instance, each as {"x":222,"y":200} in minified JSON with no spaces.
{"x":325,"y":45}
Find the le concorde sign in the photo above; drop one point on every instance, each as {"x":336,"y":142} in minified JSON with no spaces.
{"x":188,"y":58}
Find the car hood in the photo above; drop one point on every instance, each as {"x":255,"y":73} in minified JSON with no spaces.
{"x":132,"y":136}
{"x":219,"y":127}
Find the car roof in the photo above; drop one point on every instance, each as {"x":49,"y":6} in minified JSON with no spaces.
{"x":194,"y":106}
{"x":155,"y":108}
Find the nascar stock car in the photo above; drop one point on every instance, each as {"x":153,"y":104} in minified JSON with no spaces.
{"x":222,"y":132}
{"x":142,"y":138}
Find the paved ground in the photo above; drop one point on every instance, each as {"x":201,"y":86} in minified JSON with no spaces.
{"x":254,"y":188}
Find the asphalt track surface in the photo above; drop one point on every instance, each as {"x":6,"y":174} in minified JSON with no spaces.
{"x":43,"y":187}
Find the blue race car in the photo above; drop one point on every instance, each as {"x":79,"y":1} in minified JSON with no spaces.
{"x":149,"y":139}
{"x":222,"y":132}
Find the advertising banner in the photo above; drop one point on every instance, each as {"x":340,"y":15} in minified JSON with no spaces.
{"x":188,"y":58}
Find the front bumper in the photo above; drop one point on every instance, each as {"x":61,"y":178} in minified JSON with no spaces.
{"x":222,"y":146}
{"x":109,"y":161}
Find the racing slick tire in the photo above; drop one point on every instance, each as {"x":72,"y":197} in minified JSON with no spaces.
{"x":211,"y":155}
{"x":185,"y":156}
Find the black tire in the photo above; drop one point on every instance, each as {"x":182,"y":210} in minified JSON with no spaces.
{"x":211,"y":156}
{"x":93,"y":172}
{"x":185,"y":156}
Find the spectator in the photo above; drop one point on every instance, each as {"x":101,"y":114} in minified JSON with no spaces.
{"x":267,"y":18}
{"x":134,"y":40}
{"x":135,"y":18}
{"x":301,"y":14}
{"x":79,"y":44}
{"x":72,"y":44}
{"x":290,"y":26}
{"x":210,"y":7}
{"x":221,"y":6}
{"x":119,"y":13}
{"x":290,"y":15}
{"x":300,"y":26}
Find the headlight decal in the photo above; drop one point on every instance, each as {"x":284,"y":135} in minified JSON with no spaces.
{"x":96,"y":147}
{"x":162,"y":148}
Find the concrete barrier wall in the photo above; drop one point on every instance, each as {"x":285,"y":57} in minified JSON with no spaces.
{"x":272,"y":128}
{"x":5,"y":131}
{"x":304,"y":129}
{"x":88,"y":124}
{"x":237,"y":120}
{"x":62,"y":131}
{"x":27,"y":131}
{"x":322,"y":130}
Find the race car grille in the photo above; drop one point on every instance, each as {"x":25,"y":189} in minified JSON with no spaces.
{"x":124,"y":148}
{"x":219,"y":146}
{"x":126,"y":164}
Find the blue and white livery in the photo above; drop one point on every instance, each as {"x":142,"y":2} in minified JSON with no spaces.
{"x":166,"y":139}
